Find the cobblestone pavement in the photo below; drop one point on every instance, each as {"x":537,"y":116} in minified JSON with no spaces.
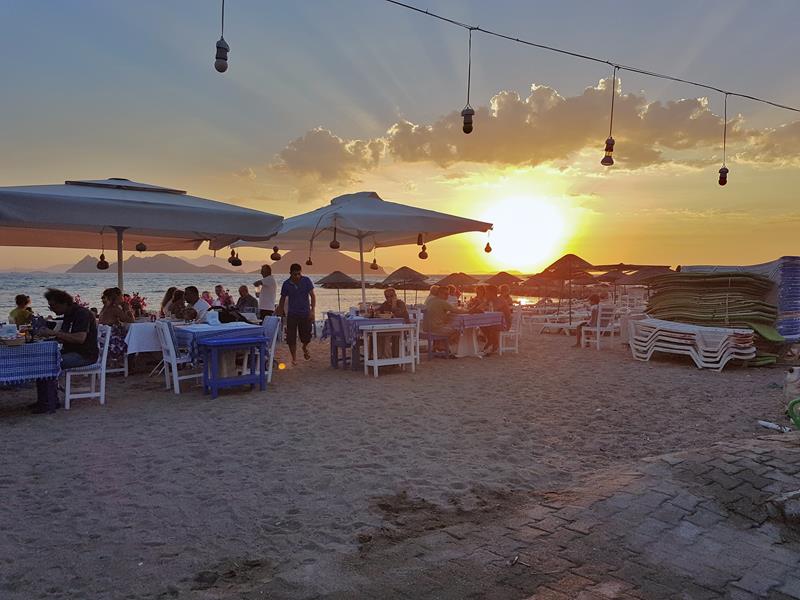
{"x":686,"y":525}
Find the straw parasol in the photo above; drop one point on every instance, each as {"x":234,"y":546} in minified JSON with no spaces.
{"x":458,"y":279}
{"x":339,"y":281}
{"x":502,"y":278}
{"x":406,"y":278}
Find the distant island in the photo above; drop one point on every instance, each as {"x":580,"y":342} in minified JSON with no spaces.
{"x":160,"y":263}
{"x":164,"y":263}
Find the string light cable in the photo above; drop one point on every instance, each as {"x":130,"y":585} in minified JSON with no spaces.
{"x":616,"y":65}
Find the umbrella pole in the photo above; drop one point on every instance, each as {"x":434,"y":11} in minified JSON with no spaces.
{"x":339,"y":299}
{"x":361,"y":256}
{"x":120,"y":281}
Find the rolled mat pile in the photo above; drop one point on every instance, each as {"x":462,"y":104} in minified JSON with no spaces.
{"x":720,"y":300}
{"x":713,"y":299}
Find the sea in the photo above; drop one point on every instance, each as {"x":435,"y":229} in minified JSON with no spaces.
{"x":152,"y":286}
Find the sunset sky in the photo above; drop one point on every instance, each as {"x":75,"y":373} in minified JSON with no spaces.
{"x":330,"y":97}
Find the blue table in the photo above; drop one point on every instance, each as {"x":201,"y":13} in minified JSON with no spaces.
{"x":210,"y":348}
{"x":189,"y":336}
{"x":29,"y":362}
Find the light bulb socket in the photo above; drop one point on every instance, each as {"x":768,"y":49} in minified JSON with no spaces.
{"x":723,"y":176}
{"x":141,"y":247}
{"x":309,"y":262}
{"x":335,"y":245}
{"x":467,"y":114}
{"x":275,"y":254}
{"x":102,"y":264}
{"x":221,"y":62}
{"x":487,"y":248}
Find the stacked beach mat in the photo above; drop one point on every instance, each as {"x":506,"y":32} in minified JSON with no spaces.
{"x":727,"y":299}
{"x":708,"y":347}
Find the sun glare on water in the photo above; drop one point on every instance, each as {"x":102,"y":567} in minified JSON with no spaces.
{"x":529,"y":233}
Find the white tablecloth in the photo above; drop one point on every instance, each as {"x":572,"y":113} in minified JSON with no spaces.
{"x":142,"y":337}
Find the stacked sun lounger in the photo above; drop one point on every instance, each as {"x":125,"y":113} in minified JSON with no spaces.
{"x":713,"y":299}
{"x":708,"y":347}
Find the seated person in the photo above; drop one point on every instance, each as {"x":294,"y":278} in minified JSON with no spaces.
{"x":22,"y":314}
{"x":453,"y":295}
{"x":223,"y":298}
{"x":114,"y":311}
{"x":165,"y":303}
{"x":438,"y":312}
{"x":434,"y":292}
{"x":504,"y":293}
{"x":193,"y":299}
{"x":246,"y":303}
{"x":594,"y":305}
{"x":477,"y":304}
{"x":78,"y":332}
{"x":494,"y":303}
{"x":390,"y":343}
{"x":393,"y":305}
{"x":176,"y":305}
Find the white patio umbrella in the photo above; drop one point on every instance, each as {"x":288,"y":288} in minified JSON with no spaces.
{"x":362,"y":221}
{"x":75,"y":215}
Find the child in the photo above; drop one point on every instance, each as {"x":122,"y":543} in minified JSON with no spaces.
{"x":23,"y":314}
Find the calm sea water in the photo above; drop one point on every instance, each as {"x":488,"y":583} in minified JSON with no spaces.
{"x":153,"y":285}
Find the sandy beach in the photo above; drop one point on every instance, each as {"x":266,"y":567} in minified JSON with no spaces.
{"x":282,"y":494}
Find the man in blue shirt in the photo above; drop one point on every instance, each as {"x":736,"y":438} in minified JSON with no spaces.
{"x":297,"y":303}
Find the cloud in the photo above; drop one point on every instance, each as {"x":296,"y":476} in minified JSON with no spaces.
{"x":543,"y":127}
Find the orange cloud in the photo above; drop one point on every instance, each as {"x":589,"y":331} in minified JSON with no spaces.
{"x":541,"y":128}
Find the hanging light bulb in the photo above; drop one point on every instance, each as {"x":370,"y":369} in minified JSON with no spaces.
{"x":723,"y":172}
{"x":487,"y":248}
{"x":234,"y":259}
{"x":374,"y":266}
{"x":141,"y":247}
{"x":275,"y":254}
{"x":419,"y":239}
{"x":221,"y":58}
{"x":102,"y":264}
{"x":335,"y":245}
{"x":309,"y":262}
{"x":608,"y":159}
{"x":423,"y":254}
{"x":468,"y":112}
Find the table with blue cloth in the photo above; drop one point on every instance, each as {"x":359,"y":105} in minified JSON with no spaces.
{"x":37,"y":361}
{"x":188,"y":336}
{"x":352,"y":330}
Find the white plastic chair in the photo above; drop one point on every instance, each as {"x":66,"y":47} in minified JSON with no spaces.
{"x":95,"y":371}
{"x":415,"y":315}
{"x":172,"y":357}
{"x":509,"y":340}
{"x":606,"y":324}
{"x":271,"y":325}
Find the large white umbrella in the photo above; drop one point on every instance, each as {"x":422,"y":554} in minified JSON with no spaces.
{"x":362,"y":221}
{"x":75,"y":215}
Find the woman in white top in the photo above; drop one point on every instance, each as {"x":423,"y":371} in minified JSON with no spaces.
{"x":267,"y":292}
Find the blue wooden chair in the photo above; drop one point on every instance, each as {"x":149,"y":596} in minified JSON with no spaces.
{"x":430,"y":338}
{"x":339,"y":341}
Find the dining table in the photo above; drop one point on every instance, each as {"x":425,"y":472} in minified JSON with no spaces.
{"x":467,"y":326}
{"x":38,"y":360}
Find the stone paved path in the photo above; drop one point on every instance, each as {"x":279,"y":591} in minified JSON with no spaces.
{"x":686,"y":525}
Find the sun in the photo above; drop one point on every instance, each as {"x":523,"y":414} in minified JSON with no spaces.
{"x":528,"y":233}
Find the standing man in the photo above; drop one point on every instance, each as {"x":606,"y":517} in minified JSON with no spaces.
{"x":297,"y":303}
{"x":266,"y":295}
